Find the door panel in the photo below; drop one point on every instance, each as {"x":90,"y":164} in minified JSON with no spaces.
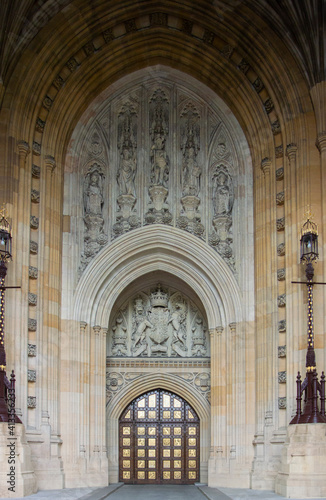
{"x":159,"y":440}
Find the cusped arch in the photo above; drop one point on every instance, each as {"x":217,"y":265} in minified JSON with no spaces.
{"x":150,"y":249}
{"x":153,"y":381}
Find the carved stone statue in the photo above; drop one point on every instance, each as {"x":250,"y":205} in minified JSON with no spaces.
{"x":119,"y":339}
{"x":93,"y":194}
{"x":177,"y":321}
{"x":160,"y":162}
{"x":141,"y":324}
{"x":198,"y":338}
{"x":223,"y":193}
{"x":191,"y":173}
{"x":126,"y":172}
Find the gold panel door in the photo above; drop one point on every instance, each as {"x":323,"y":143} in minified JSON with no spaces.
{"x":159,"y":440}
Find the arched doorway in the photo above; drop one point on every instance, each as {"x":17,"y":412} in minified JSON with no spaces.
{"x":159,"y":440}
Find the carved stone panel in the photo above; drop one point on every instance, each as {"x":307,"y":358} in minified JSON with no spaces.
{"x":158,"y":323}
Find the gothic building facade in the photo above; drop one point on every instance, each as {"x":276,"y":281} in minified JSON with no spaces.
{"x":157,"y":162}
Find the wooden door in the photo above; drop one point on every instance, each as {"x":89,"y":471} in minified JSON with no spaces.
{"x":159,"y":440}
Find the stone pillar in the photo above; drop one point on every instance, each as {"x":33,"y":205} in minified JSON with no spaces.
{"x":16,"y":345}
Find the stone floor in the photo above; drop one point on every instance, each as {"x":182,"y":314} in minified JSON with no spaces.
{"x":154,"y":492}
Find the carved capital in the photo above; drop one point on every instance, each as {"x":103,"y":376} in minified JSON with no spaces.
{"x":291,"y":150}
{"x":23,"y":148}
{"x":266,"y":165}
{"x":96,"y":329}
{"x":216,"y":331}
{"x":321,"y":142}
{"x":82,"y":325}
{"x":105,"y":332}
{"x":50,"y":162}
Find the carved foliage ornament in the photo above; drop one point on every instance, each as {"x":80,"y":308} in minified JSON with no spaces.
{"x":159,"y":323}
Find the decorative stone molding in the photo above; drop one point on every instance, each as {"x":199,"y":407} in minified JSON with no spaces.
{"x":31,"y":402}
{"x":33,"y":247}
{"x":282,"y":351}
{"x":158,"y":19}
{"x":276,"y":127}
{"x":281,"y":274}
{"x":32,"y":324}
{"x":35,"y":196}
{"x":72,"y":64}
{"x":279,"y":151}
{"x":32,"y":299}
{"x":40,"y":124}
{"x":258,"y":85}
{"x":82,"y":325}
{"x":96,"y":329}
{"x":279,"y":174}
{"x":31,"y":375}
{"x":268,"y":105}
{"x":282,"y":326}
{"x":36,"y":148}
{"x":280,"y":224}
{"x":227,"y":51}
{"x":36,"y":171}
{"x":281,"y":249}
{"x":281,"y":300}
{"x":208,"y":37}
{"x":280,"y":198}
{"x":58,"y":82}
{"x":282,"y":377}
{"x":130,"y":25}
{"x":31,"y":350}
{"x":34,"y":222}
{"x":47,"y":102}
{"x":244,"y":66}
{"x":108,"y":35}
{"x":33,"y":272}
{"x":282,"y":403}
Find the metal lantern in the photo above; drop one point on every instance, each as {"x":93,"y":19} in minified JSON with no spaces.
{"x":309,"y":242}
{"x":5,"y":238}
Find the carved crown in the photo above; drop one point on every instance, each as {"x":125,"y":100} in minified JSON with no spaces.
{"x":159,"y":298}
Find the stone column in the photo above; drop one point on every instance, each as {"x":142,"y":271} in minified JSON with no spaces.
{"x":16,"y":345}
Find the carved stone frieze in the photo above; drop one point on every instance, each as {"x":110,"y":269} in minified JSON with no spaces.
{"x":40,"y":124}
{"x":244,"y":66}
{"x":279,"y":151}
{"x":72,"y":64}
{"x":130,"y":25}
{"x":282,"y":326}
{"x":33,"y":272}
{"x":58,"y":82}
{"x":35,"y":196}
{"x":115,"y":381}
{"x":199,"y":381}
{"x":158,"y":19}
{"x":282,"y":351}
{"x":36,"y":171}
{"x":32,"y":324}
{"x":108,"y":35}
{"x":31,"y":375}
{"x":282,"y":403}
{"x":31,"y":350}
{"x":280,"y":198}
{"x":258,"y":85}
{"x":158,"y":323}
{"x":276,"y":127}
{"x":187,"y":26}
{"x":31,"y":401}
{"x":47,"y":102}
{"x":280,"y":174}
{"x":32,"y":299}
{"x":281,"y":274}
{"x":36,"y":148}
{"x":282,"y":377}
{"x":269,"y":105}
{"x":281,"y":249}
{"x":34,"y":222}
{"x":89,"y":48}
{"x":281,"y":300}
{"x":227,"y":51}
{"x":208,"y":37}
{"x":280,"y":224}
{"x":33,"y":247}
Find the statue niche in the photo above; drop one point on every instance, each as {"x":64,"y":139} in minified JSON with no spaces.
{"x":94,"y":237}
